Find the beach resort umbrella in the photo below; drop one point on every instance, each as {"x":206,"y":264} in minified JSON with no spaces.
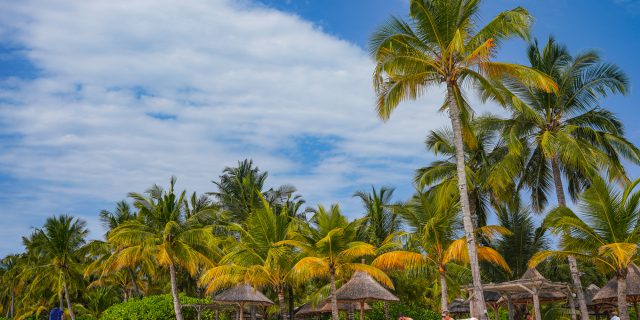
{"x":362,"y":288}
{"x":609,"y":293}
{"x":241,"y":295}
{"x":459,"y":306}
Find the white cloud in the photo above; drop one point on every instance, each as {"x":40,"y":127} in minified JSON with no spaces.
{"x":236,"y":80}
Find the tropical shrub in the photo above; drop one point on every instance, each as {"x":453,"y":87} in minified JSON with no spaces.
{"x":158,"y":307}
{"x":413,"y":310}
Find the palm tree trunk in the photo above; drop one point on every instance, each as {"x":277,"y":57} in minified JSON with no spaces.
{"x":334,"y":300}
{"x":13,"y":303}
{"x":177,"y":307}
{"x":477,"y":298}
{"x":66,"y":295}
{"x":291,"y":302}
{"x":444,"y":296}
{"x":60,"y":301}
{"x":623,"y":310}
{"x":136,"y":290}
{"x":573,"y":264}
{"x":282,"y":303}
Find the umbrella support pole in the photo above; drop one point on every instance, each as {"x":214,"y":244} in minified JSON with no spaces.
{"x":536,"y":305}
{"x":362,"y":310}
{"x":510,"y":306}
{"x":241,"y":311}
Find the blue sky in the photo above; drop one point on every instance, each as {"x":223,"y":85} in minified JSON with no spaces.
{"x":99,"y":98}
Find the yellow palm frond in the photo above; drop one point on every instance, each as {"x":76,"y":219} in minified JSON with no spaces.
{"x":492,"y":256}
{"x":526,"y":75}
{"x":310,"y":267}
{"x":492,"y":231}
{"x":620,"y":254}
{"x":457,"y":251}
{"x":356,"y":250}
{"x":398,"y":260}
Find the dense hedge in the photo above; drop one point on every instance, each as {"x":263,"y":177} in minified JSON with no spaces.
{"x":152,"y":308}
{"x":415,"y":311}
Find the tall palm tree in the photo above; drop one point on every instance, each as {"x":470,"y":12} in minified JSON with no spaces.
{"x":104,"y":255}
{"x":435,"y":240}
{"x":237,"y":188}
{"x":565,"y":134}
{"x":57,"y":250}
{"x":524,"y":240}
{"x":329,"y":243}
{"x":380,"y":221}
{"x":259,"y":259}
{"x":164,"y":235}
{"x":606,"y":232}
{"x":10,"y":278}
{"x":483,"y":151}
{"x":442,"y":46}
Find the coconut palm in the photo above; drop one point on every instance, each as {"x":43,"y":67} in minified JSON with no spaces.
{"x":237,"y":189}
{"x":435,"y":240}
{"x":164,"y":235}
{"x":56,"y":249}
{"x":259,"y":259}
{"x":330,"y":247}
{"x":565,"y":134}
{"x":103,"y":264}
{"x":524,"y":240}
{"x":443,"y":46}
{"x":483,"y":150}
{"x":10,"y":278}
{"x":380,"y":222}
{"x":606,"y":232}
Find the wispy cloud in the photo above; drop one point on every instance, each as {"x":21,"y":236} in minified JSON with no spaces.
{"x":131,"y":92}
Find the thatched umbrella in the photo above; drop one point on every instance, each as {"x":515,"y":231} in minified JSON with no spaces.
{"x":240,"y":295}
{"x":459,"y":306}
{"x":494,"y":301}
{"x":362,"y":288}
{"x":609,"y":293}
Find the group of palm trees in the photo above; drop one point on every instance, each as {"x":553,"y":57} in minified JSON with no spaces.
{"x":554,"y":137}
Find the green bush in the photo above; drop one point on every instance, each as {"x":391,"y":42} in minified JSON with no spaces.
{"x":153,"y":308}
{"x":412,"y":310}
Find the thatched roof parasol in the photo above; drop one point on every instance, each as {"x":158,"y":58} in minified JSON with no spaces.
{"x":362,"y":288}
{"x":243,"y":293}
{"x":459,"y":306}
{"x":240,"y":295}
{"x":609,"y":293}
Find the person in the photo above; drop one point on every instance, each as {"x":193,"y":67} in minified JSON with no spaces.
{"x":403,"y":317}
{"x":446,"y":315}
{"x":529,"y":316}
{"x":614,"y":316}
{"x":55,"y":314}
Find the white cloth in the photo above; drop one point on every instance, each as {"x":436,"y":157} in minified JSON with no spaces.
{"x":615,"y":318}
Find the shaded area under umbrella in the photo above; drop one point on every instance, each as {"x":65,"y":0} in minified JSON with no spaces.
{"x":362,"y":288}
{"x":241,"y":295}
